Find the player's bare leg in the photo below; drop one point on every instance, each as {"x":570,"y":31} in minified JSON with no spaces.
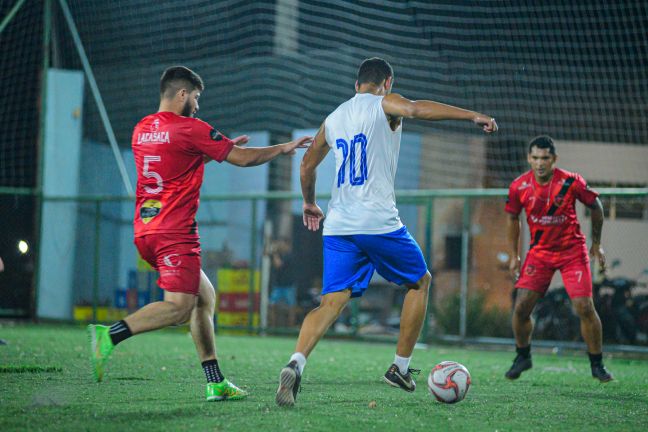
{"x":175,"y":309}
{"x":318,"y":321}
{"x":592,"y":333}
{"x":315,"y":325}
{"x":399,"y":373}
{"x":413,"y":315}
{"x":525,"y":301}
{"x":202,"y":320}
{"x":202,"y":332}
{"x":522,"y":322}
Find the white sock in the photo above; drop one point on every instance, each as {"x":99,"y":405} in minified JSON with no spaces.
{"x":301,"y":361}
{"x":402,"y":363}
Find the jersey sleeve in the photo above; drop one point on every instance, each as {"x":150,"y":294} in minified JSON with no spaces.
{"x":583,"y":193}
{"x":209,"y":141}
{"x":513,"y":204}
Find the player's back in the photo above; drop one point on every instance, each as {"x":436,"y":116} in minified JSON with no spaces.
{"x":169,"y":174}
{"x":366,"y":156}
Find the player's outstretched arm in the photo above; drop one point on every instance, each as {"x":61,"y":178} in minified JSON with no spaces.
{"x":597,"y":227}
{"x":513,"y":237}
{"x":253,"y":156}
{"x":238,"y":141}
{"x":397,"y":106}
{"x":308,"y":175}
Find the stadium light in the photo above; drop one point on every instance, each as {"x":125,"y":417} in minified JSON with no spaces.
{"x":23,"y":247}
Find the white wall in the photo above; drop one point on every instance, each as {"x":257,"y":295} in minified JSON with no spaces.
{"x":62,"y":149}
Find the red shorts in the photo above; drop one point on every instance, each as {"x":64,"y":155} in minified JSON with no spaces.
{"x":574,"y":267}
{"x":175,"y":257}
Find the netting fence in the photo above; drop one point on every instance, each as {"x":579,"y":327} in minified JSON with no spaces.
{"x":461,"y":232}
{"x":78,"y":75}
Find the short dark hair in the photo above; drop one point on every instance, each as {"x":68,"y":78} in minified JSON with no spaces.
{"x":543,"y":142}
{"x":374,"y":70}
{"x":178,"y":77}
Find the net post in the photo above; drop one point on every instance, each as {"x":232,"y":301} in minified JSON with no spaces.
{"x":266,"y":267}
{"x":95,"y":266}
{"x":252,"y":269}
{"x":429,"y":211}
{"x":40,"y":151}
{"x":463,"y":293}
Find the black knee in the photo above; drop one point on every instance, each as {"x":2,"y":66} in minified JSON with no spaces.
{"x":522,"y":310}
{"x":584,"y":308}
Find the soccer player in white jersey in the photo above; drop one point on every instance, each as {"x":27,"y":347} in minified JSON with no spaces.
{"x":362,"y":231}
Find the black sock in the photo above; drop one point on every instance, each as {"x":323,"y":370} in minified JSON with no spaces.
{"x":595,"y":359}
{"x":119,"y":332}
{"x":212,"y":371}
{"x":524,"y":351}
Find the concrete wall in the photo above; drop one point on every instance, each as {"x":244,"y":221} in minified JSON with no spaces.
{"x":61,"y":159}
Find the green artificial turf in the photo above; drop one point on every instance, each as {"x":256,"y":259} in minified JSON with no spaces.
{"x":154,"y":382}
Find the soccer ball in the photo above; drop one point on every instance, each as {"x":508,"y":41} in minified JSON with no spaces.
{"x":449,"y":382}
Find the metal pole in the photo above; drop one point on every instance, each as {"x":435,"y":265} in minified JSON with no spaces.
{"x":355,"y":314}
{"x":266,"y":266}
{"x":97,"y":97}
{"x":14,"y":10}
{"x":429,"y":209}
{"x":252,"y":270}
{"x":97,"y":251}
{"x":463,"y":299}
{"x":40,"y":154}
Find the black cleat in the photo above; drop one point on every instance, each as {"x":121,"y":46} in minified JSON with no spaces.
{"x":289,"y":382}
{"x":520,"y":364}
{"x":395,"y":378}
{"x":600,"y":373}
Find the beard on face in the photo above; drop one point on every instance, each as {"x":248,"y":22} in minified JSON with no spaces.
{"x":187,"y":109}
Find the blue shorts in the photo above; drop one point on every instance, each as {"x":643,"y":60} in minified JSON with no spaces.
{"x":350,"y":260}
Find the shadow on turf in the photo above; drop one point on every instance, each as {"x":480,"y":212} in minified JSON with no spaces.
{"x":131,"y":379}
{"x":607,"y":397}
{"x":156,"y":416}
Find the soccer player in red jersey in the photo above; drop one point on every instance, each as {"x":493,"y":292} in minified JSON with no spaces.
{"x":171,"y":148}
{"x":548,"y":196}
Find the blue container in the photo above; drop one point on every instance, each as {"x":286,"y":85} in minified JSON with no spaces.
{"x":120,"y":299}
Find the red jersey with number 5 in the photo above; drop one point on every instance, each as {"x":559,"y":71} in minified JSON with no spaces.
{"x":168,"y":151}
{"x":551,"y":208}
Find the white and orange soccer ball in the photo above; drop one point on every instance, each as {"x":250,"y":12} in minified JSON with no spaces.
{"x":449,"y":382}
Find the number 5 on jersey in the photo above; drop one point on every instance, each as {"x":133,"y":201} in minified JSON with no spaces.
{"x":349,"y":156}
{"x":152,"y":174}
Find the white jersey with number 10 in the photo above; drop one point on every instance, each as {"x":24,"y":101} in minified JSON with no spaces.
{"x":366,"y":156}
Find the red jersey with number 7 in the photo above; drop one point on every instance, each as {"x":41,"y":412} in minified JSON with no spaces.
{"x":551,"y":208}
{"x":168,"y":150}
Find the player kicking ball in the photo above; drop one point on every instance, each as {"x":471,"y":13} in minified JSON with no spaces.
{"x":548,"y":196}
{"x":171,"y":148}
{"x":362,"y":231}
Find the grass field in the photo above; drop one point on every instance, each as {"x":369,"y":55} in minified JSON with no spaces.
{"x":154,"y":382}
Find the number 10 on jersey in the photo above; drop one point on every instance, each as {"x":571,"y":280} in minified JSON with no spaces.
{"x":349,"y":157}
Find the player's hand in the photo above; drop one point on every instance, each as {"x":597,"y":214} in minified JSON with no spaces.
{"x":488,"y":123}
{"x":312,"y":216}
{"x":514,"y":267}
{"x":597,"y":252}
{"x":241,"y":140}
{"x":303,"y":142}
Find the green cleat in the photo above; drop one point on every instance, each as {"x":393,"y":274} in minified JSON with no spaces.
{"x":224,"y":390}
{"x":101,"y":347}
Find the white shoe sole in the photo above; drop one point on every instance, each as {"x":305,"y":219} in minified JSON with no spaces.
{"x":287,"y":380}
